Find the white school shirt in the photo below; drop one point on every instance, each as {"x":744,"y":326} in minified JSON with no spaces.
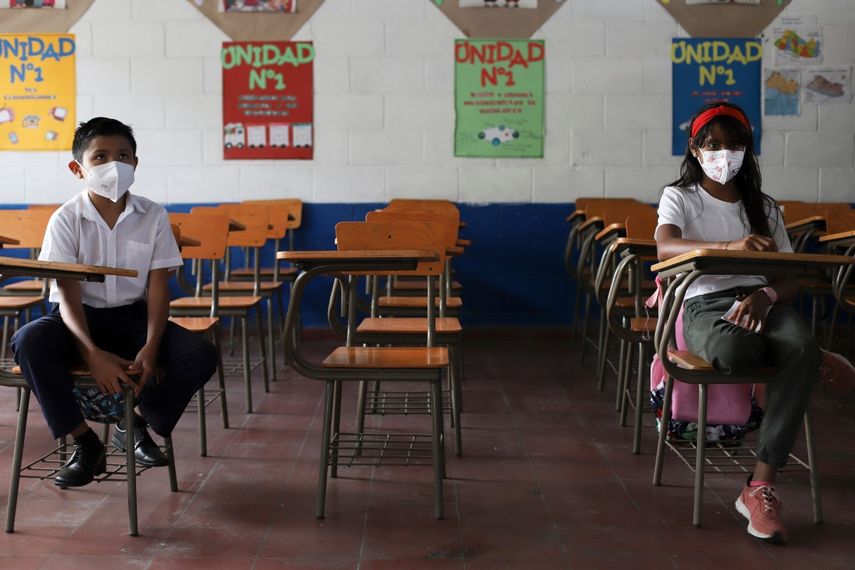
{"x":141,"y":239}
{"x":703,"y":217}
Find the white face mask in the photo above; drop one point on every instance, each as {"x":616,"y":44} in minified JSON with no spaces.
{"x":110,"y":180}
{"x":721,"y":165}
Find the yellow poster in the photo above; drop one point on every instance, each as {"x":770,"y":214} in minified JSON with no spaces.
{"x":37,"y":87}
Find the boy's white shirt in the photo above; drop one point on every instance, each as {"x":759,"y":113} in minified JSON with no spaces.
{"x":702,"y":217}
{"x":141,"y":239}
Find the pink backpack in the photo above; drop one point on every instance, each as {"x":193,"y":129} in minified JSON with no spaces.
{"x":726,"y":403}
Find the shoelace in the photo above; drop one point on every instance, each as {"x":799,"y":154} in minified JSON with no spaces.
{"x":770,"y":500}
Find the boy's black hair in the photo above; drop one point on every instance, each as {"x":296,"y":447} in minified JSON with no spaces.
{"x":757,"y":205}
{"x":99,"y":127}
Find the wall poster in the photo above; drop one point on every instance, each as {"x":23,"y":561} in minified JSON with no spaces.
{"x":273,"y":6}
{"x":58,"y":4}
{"x":783,"y":89}
{"x":37,"y":88}
{"x":499,"y":98}
{"x":267,"y":100}
{"x":706,"y":70}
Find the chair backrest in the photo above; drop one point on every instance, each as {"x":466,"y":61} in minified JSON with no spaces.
{"x":27,"y":226}
{"x":446,"y":224}
{"x":293,"y":210}
{"x":211,"y":230}
{"x":394,"y":235}
{"x":840,"y":220}
{"x":596,"y":207}
{"x":641,"y":223}
{"x":254,"y":217}
{"x":426,"y":206}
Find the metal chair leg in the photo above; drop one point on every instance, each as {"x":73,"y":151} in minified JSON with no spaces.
{"x":246,"y":376}
{"x":624,"y":385}
{"x":224,"y":406}
{"x":259,"y":325}
{"x":585,"y":319}
{"x":320,"y":502}
{"x":602,"y":352}
{"x":361,"y":393}
{"x":700,"y":455}
{"x":814,"y":476}
{"x":203,"y":428}
{"x":131,"y":464}
{"x":335,"y":426}
{"x":170,"y":456}
{"x":663,"y":431}
{"x":17,"y":455}
{"x":639,"y":401}
{"x":271,"y":349}
{"x":438,"y":449}
{"x":453,"y":381}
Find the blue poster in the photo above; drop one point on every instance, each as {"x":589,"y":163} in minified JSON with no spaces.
{"x":709,"y":69}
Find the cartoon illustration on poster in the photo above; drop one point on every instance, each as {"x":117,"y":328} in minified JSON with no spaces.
{"x":37,"y":91}
{"x":58,"y":4}
{"x":499,"y":93}
{"x":797,"y":40}
{"x":281,"y":6}
{"x":827,"y":85}
{"x":267,"y":100}
{"x":782,"y":90}
{"x":530,"y":4}
{"x":706,"y":70}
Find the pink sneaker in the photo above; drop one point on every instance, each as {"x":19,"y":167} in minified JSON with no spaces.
{"x":837,"y":372}
{"x":762,"y":507}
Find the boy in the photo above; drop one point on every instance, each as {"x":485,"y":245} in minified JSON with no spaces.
{"x":114,"y":326}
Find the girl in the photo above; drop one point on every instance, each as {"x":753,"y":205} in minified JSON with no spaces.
{"x":717,"y":203}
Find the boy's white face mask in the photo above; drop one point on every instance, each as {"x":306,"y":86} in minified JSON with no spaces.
{"x":110,"y":180}
{"x":722,"y":165}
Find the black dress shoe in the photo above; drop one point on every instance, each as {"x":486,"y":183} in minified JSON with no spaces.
{"x":88,"y":460}
{"x":145,"y":450}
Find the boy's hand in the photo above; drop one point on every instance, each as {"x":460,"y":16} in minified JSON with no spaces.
{"x":146,"y":362}
{"x":108,"y":370}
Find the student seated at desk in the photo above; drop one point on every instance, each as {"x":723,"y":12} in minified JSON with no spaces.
{"x":115,"y":325}
{"x":717,"y":203}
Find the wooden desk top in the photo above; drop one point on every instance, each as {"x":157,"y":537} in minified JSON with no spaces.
{"x":576,"y":214}
{"x":731,"y":262}
{"x":52,"y":269}
{"x":8,"y":241}
{"x":610,"y":230}
{"x":805,"y":222}
{"x":335,"y":256}
{"x":590,"y":222}
{"x":837,"y":237}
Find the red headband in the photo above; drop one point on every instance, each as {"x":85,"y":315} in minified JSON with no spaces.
{"x":708,"y":115}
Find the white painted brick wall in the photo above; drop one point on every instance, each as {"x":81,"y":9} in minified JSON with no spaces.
{"x":384,"y":79}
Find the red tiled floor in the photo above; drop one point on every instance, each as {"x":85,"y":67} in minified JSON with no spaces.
{"x":547,"y":480}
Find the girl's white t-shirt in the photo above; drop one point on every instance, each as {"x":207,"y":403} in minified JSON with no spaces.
{"x":703,"y":217}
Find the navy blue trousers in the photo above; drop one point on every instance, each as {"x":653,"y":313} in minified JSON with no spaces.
{"x":45,"y":350}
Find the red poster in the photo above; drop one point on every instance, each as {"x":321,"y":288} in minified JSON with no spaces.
{"x":267,"y":100}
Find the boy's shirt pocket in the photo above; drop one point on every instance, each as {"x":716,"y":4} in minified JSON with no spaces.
{"x":138,"y":256}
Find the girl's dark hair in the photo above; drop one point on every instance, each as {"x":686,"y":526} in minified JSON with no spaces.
{"x":99,"y":127}
{"x":756,"y":205}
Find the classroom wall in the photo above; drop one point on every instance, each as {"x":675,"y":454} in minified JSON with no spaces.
{"x":384,"y":123}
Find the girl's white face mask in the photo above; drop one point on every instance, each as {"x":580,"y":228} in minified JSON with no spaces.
{"x":110,"y":180}
{"x":721,"y":165}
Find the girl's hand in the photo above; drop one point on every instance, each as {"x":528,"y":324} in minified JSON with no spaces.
{"x":753,"y":242}
{"x":753,"y":309}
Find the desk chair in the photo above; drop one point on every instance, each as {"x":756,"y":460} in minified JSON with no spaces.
{"x":690,"y":368}
{"x":841,"y":238}
{"x":207,"y":326}
{"x":48,"y":465}
{"x":211,"y":228}
{"x":401,"y":331}
{"x":292,"y":209}
{"x":388,"y":364}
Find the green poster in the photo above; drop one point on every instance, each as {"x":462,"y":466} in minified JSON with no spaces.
{"x":498,"y":98}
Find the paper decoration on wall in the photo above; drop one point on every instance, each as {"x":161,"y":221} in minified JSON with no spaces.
{"x":782,"y":90}
{"x":267,"y":100}
{"x":37,"y":80}
{"x":749,"y":2}
{"x":499,"y":23}
{"x":32,"y":21}
{"x":706,"y":70}
{"x":499,"y":98}
{"x":529,"y":4}
{"x":58,"y":4}
{"x":269,"y":6}
{"x":827,"y":85}
{"x":797,"y":41}
{"x":724,"y":19}
{"x":258,"y":25}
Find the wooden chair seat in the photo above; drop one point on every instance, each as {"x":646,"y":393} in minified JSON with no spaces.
{"x":244,"y":286}
{"x":627,"y":302}
{"x":417,"y":302}
{"x":195,"y":324}
{"x":643,"y":324}
{"x":19,"y":302}
{"x":30,"y":285}
{"x":386,"y":357}
{"x":408,"y":325}
{"x":241,"y":302}
{"x":691,"y":361}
